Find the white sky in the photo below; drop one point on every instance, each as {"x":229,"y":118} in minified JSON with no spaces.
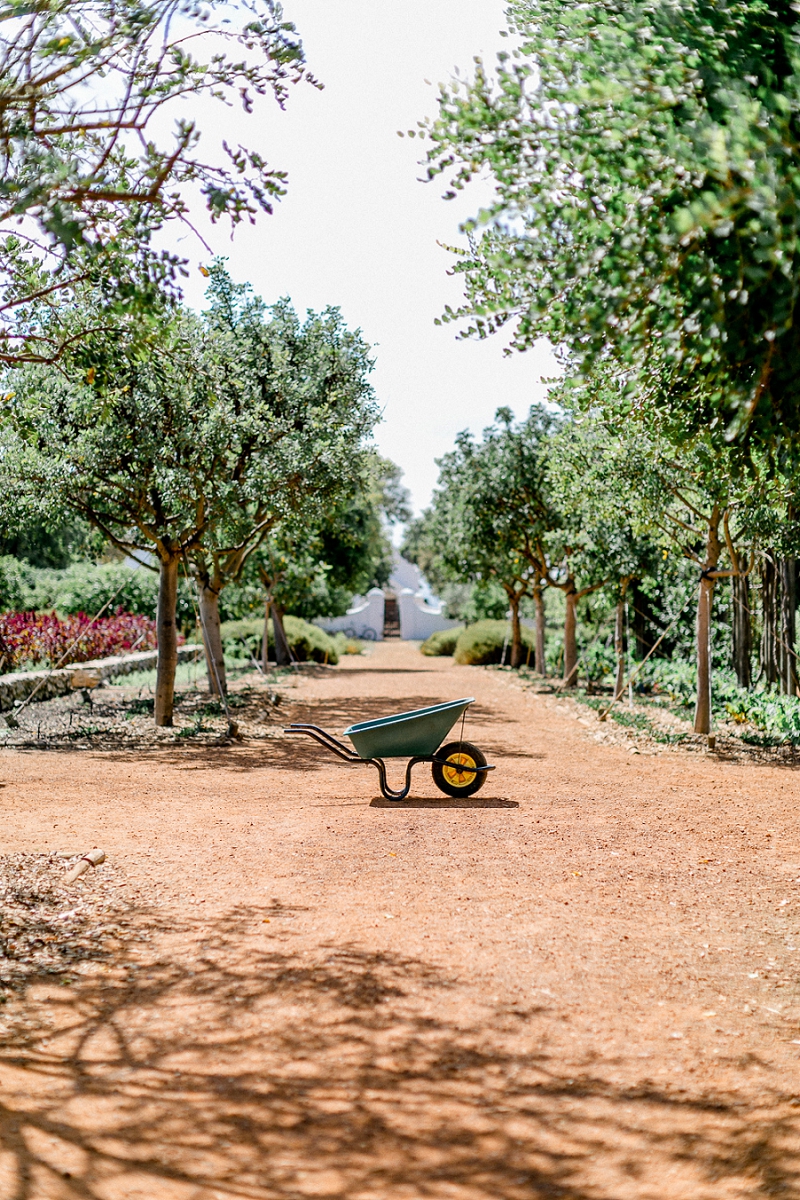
{"x":357,"y":228}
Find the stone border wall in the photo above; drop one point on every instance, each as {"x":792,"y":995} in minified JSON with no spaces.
{"x":18,"y":685}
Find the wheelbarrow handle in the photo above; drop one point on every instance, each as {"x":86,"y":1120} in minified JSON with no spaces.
{"x":325,"y":739}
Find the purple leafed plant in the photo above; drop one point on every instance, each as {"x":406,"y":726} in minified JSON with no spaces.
{"x":31,"y":638}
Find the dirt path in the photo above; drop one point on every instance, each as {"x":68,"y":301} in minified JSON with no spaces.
{"x":581,"y":984}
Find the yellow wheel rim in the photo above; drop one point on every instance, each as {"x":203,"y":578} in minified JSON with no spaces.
{"x":458,"y":774}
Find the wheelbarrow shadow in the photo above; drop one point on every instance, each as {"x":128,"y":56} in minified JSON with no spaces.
{"x":433,"y":802}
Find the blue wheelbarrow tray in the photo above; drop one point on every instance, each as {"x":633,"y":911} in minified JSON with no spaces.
{"x":407,"y":735}
{"x":415,"y":735}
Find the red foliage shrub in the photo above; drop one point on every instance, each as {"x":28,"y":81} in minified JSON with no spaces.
{"x":29,"y":639}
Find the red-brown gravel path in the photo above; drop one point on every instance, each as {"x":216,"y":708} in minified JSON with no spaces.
{"x":581,"y":984}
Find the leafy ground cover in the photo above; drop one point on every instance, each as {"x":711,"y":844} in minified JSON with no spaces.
{"x":764,"y":717}
{"x":30,"y":639}
{"x":664,"y":698}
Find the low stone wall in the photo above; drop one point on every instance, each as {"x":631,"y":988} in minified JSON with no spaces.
{"x":19,"y":685}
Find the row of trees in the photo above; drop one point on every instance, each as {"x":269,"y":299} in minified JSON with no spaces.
{"x":574,"y":500}
{"x":645,"y":219}
{"x":228,"y":445}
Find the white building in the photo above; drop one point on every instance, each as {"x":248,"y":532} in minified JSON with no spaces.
{"x":406,"y":608}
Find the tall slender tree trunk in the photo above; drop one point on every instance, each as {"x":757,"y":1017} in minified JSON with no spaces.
{"x":702,"y":711}
{"x":265,"y":639}
{"x":571,"y":637}
{"x":788,"y":669}
{"x":769,"y":622}
{"x":212,"y":640}
{"x":705,"y":605}
{"x":167,"y":633}
{"x":283,"y":655}
{"x":516,"y":632}
{"x":539,"y":662}
{"x":620,"y":644}
{"x":742,"y":628}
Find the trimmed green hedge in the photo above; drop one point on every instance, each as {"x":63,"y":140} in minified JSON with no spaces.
{"x":308,"y":642}
{"x":483,"y":642}
{"x":443,"y":642}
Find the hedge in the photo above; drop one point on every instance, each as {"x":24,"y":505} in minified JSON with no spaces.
{"x":443,"y":642}
{"x":308,"y":642}
{"x":483,"y":642}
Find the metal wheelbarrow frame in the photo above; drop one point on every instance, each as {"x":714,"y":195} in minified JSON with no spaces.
{"x":459,"y":769}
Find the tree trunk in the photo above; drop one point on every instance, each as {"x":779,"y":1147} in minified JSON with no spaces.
{"x":516,"y":632}
{"x":788,"y":673}
{"x":570,"y":638}
{"x":167,"y":632}
{"x":540,"y":663}
{"x":212,"y":640}
{"x":265,"y":639}
{"x":769,"y":606}
{"x":742,"y":629}
{"x":283,"y":655}
{"x":619,"y":647}
{"x":640,"y":623}
{"x":702,"y":711}
{"x":705,"y":605}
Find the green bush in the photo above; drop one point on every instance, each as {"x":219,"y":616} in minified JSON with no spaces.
{"x":483,"y":642}
{"x":242,"y":639}
{"x":17,"y":582}
{"x":443,"y":642}
{"x":345,"y":644}
{"x":308,"y":643}
{"x":86,"y":587}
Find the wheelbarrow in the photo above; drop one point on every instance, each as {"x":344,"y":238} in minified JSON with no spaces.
{"x":459,"y":768}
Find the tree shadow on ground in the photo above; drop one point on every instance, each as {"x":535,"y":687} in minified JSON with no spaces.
{"x":246,"y":1069}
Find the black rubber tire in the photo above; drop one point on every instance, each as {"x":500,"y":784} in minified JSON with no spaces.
{"x":474,"y":780}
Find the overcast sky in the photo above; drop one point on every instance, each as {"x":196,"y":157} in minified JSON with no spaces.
{"x":357,"y":228}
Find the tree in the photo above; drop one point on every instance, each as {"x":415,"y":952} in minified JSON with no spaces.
{"x":144,"y":451}
{"x":89,"y":173}
{"x":313,"y":568}
{"x":56,"y":544}
{"x":300,"y":395}
{"x":490,"y":511}
{"x":600,"y":534}
{"x":647,"y":197}
{"x":699,"y":498}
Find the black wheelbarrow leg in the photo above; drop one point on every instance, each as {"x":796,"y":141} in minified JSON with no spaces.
{"x":388,"y":793}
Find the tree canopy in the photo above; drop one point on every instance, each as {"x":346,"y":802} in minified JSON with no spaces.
{"x":645,"y":159}
{"x":88,"y":174}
